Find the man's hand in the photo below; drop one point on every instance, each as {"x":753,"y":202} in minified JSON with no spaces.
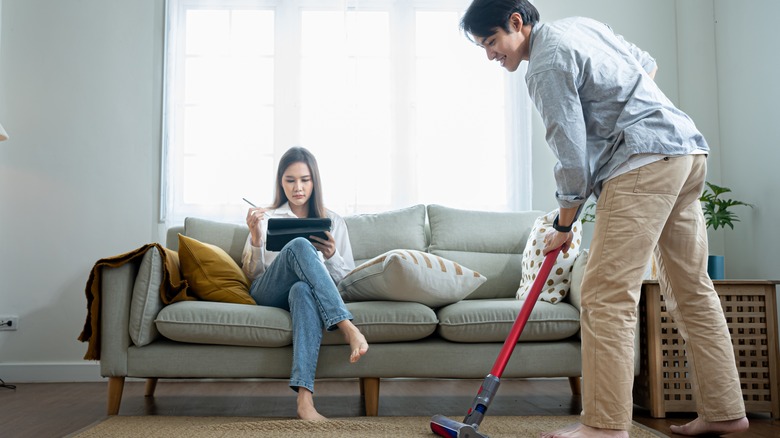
{"x":554,"y":239}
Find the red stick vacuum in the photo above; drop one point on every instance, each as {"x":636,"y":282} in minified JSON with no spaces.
{"x":446,"y":427}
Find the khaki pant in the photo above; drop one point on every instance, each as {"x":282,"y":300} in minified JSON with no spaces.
{"x":653,"y":211}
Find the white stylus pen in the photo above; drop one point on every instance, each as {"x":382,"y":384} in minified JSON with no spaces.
{"x":253,"y":205}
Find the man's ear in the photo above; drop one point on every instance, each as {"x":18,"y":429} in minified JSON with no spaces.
{"x":515,"y":22}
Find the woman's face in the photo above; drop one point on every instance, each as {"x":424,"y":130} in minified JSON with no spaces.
{"x":297,"y":184}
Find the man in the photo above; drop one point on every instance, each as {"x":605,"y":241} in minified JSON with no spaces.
{"x":617,"y":137}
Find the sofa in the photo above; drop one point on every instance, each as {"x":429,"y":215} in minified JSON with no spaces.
{"x":198,"y":339}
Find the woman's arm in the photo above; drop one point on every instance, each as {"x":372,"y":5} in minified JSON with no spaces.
{"x":252,"y":259}
{"x":253,"y":256}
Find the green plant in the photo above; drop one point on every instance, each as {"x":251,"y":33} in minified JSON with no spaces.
{"x":717,"y":211}
{"x":588,"y":213}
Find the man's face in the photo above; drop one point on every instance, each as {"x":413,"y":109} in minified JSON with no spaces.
{"x":509,"y":48}
{"x":503,"y":47}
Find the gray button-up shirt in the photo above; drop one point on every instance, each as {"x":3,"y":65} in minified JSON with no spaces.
{"x":599,"y":105}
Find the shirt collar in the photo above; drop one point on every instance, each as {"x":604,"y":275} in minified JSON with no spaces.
{"x":284,"y":210}
{"x":531,"y":39}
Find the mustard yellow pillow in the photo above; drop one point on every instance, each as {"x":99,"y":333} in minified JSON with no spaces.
{"x":211,"y":273}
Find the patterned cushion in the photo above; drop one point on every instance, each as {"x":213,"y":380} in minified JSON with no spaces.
{"x":410,"y":275}
{"x":557,"y":284}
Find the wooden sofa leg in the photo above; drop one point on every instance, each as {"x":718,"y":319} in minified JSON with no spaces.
{"x":151,"y":385}
{"x":369,"y":391}
{"x":576,"y":385}
{"x":115,"y":387}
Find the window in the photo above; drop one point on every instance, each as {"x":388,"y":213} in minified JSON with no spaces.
{"x":397,"y":105}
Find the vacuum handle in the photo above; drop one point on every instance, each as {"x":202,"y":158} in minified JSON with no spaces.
{"x":525,"y":312}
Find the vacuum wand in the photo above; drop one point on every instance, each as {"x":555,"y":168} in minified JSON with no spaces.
{"x":446,"y":427}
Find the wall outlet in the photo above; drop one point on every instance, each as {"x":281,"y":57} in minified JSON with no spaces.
{"x":9,"y":322}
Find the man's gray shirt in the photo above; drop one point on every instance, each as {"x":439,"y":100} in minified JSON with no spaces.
{"x":599,"y":105}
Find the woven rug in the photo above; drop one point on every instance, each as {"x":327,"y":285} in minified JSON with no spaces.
{"x":363,"y":427}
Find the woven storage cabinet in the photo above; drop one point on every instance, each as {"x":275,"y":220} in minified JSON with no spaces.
{"x":750,"y":309}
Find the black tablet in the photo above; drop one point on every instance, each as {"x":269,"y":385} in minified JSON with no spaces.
{"x":283,"y":230}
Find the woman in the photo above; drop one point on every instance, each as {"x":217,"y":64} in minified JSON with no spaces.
{"x":302,"y":277}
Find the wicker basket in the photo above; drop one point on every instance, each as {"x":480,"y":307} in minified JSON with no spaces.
{"x":750,"y":309}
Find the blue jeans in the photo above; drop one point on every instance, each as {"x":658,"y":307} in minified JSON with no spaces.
{"x":298,"y":281}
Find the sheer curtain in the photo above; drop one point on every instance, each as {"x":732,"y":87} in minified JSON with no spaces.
{"x":397,"y":105}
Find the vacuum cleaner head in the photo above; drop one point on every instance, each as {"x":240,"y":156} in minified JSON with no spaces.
{"x":448,"y":428}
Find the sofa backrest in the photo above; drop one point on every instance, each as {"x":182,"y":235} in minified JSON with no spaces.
{"x":490,"y":243}
{"x":229,"y":237}
{"x":371,"y":235}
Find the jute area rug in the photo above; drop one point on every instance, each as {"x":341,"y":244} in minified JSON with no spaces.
{"x":362,"y":427}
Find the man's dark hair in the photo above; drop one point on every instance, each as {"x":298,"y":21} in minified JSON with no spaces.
{"x":483,"y":17}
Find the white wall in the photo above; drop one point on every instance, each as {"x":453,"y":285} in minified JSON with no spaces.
{"x":80,"y":96}
{"x":749,"y":92}
{"x":79,"y":176}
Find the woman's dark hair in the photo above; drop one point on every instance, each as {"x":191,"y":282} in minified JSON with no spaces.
{"x":483,"y":17}
{"x":297,"y":154}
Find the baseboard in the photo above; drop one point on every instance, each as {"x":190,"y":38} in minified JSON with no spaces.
{"x":50,"y":372}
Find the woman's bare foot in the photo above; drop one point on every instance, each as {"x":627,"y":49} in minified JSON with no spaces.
{"x":306,"y":409}
{"x":582,"y":431}
{"x":701,"y":427}
{"x":357,"y":342}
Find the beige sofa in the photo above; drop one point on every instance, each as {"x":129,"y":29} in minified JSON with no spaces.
{"x":141,"y":338}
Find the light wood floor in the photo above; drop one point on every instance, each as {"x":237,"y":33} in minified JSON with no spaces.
{"x":59,"y":409}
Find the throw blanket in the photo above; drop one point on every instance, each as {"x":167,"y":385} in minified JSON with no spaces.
{"x":172,"y":289}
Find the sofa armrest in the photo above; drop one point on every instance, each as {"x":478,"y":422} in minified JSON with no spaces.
{"x":116,"y":292}
{"x":577,"y":273}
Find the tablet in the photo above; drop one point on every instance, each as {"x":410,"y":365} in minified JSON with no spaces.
{"x":282,"y":230}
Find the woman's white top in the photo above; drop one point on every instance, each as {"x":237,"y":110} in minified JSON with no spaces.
{"x":256,"y":260}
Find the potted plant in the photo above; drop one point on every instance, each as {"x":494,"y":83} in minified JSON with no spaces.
{"x":718,"y":213}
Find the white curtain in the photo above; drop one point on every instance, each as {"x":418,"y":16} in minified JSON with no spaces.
{"x":397,"y":105}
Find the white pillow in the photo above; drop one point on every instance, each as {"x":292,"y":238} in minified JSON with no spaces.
{"x":410,"y":275}
{"x":557,"y":285}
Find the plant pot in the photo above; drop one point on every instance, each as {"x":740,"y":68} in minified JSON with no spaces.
{"x":716,"y":267}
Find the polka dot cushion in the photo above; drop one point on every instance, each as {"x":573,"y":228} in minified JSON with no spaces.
{"x":557,"y":285}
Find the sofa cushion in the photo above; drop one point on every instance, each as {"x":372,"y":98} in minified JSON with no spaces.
{"x":409,"y":275}
{"x":490,"y":243}
{"x":491,"y":321}
{"x":230,"y":237}
{"x":556,"y":285}
{"x":211,"y":274}
{"x":388,"y":321}
{"x":146,"y":301}
{"x":373,"y":234}
{"x":202,"y":322}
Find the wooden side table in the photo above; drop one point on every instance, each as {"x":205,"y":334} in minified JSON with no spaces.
{"x":750,"y":307}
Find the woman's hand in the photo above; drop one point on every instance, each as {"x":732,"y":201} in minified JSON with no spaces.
{"x":326,"y":247}
{"x":254,"y":217}
{"x":554,"y":239}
